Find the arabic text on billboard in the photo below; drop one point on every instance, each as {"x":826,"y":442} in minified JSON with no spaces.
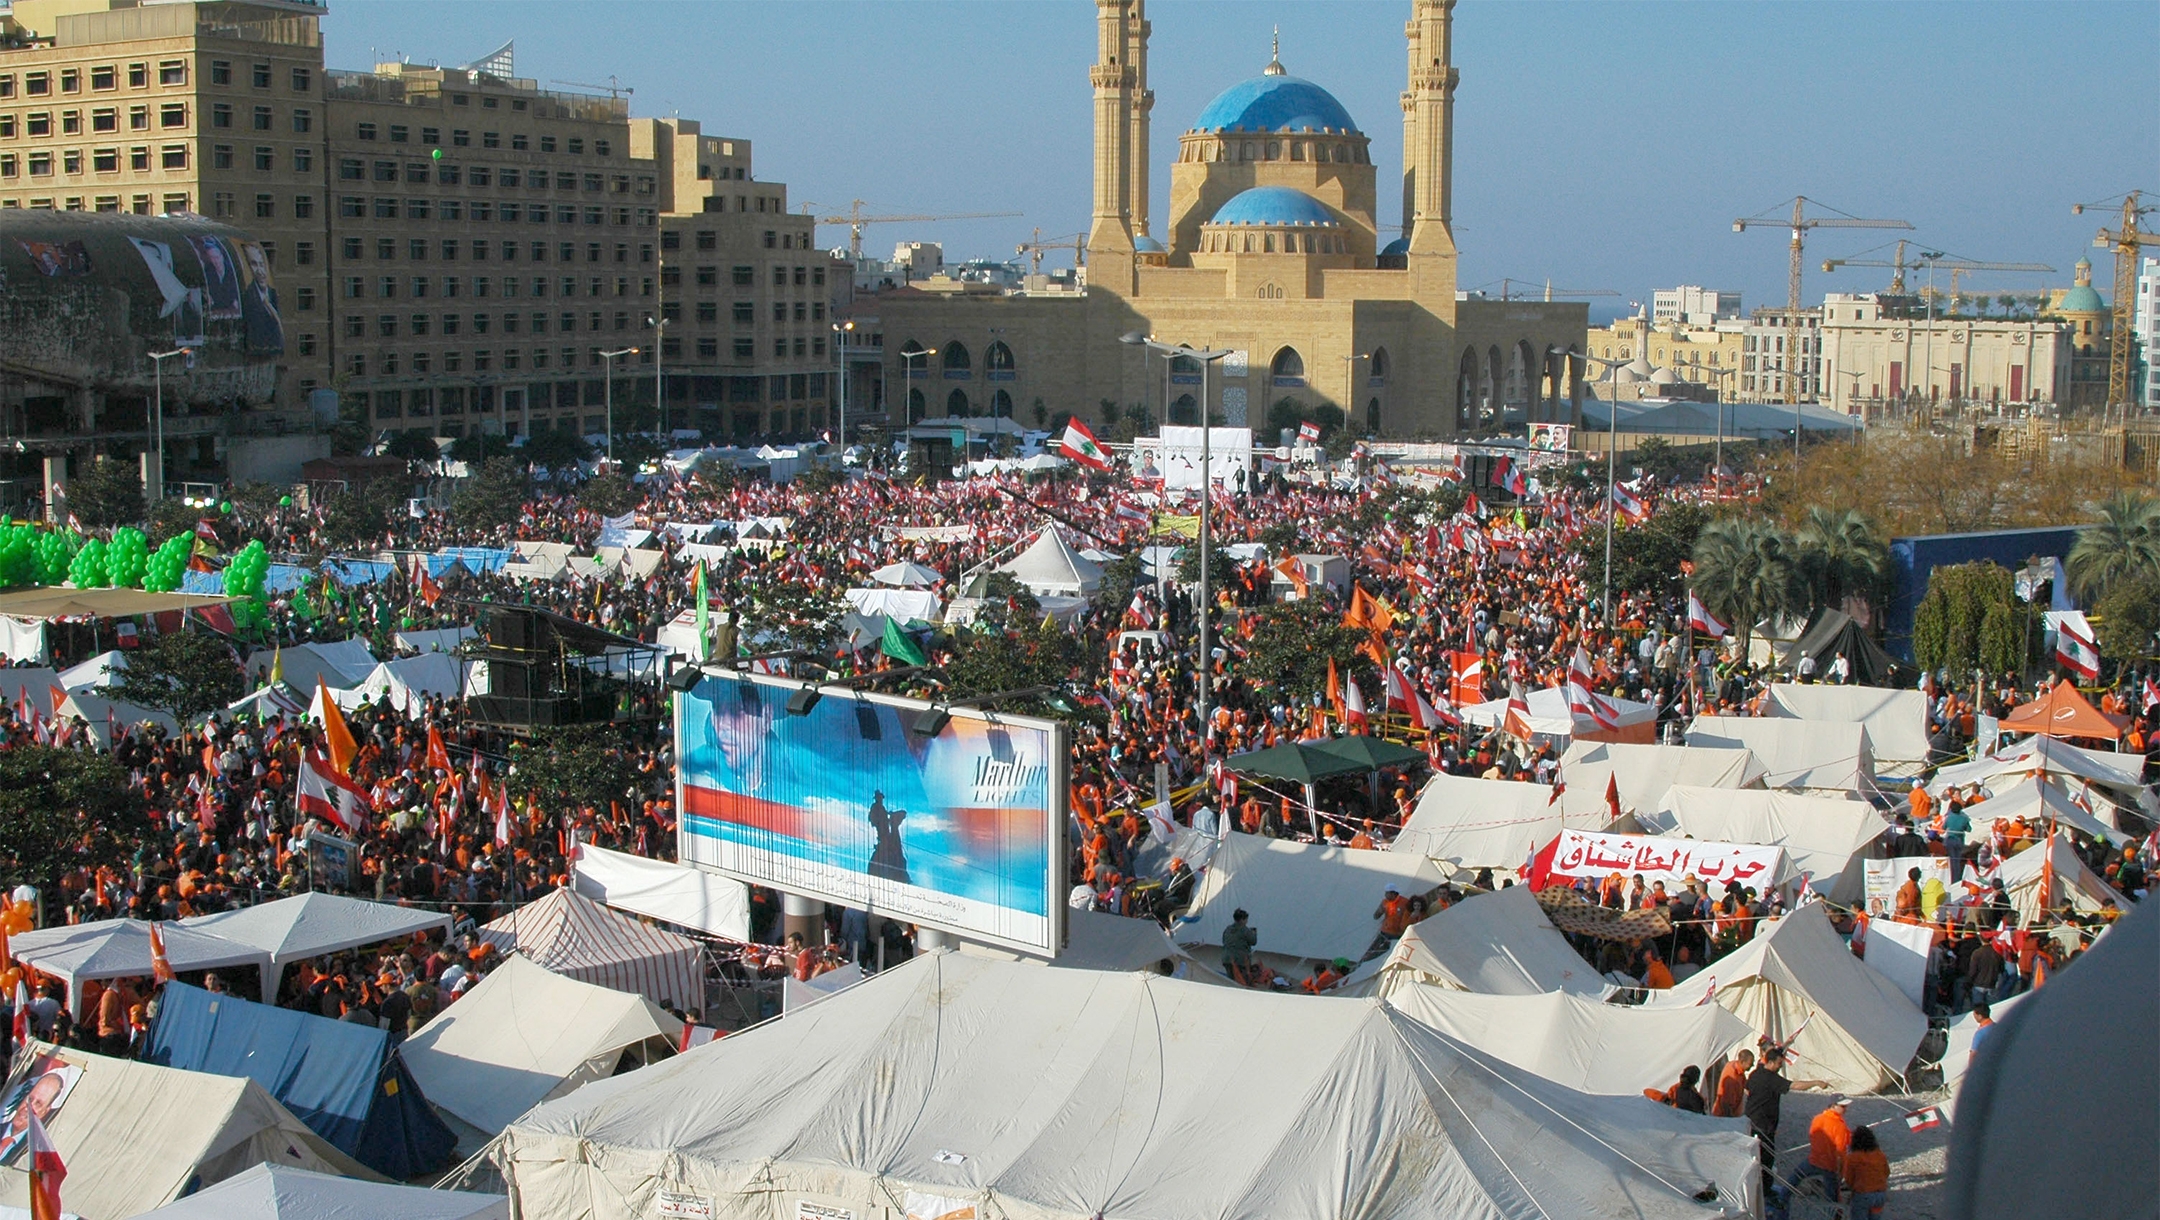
{"x":849,"y":804}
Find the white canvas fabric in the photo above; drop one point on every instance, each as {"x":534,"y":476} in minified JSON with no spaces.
{"x":1801,"y":754}
{"x":120,"y":949}
{"x":578,"y":938}
{"x":1549,"y":716}
{"x":1306,"y":900}
{"x":104,"y":717}
{"x":2117,"y":776}
{"x":1645,"y":772}
{"x":1486,"y":823}
{"x":1958,"y":1049}
{"x":1067,"y":1095}
{"x":134,"y":1136}
{"x":1821,"y":835}
{"x":907,"y":605}
{"x":1860,"y":1030}
{"x":1899,"y":952}
{"x":1497,"y":944}
{"x":907,"y":575}
{"x":35,"y":682}
{"x":279,"y":1192}
{"x":676,"y":893}
{"x":23,"y":639}
{"x":2037,"y":800}
{"x":1896,"y":720}
{"x":310,"y":925}
{"x":104,"y":669}
{"x":1050,"y":565}
{"x":523,"y":1035}
{"x":2072,"y":882}
{"x":1615,"y":1049}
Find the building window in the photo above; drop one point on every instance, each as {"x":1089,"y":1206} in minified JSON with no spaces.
{"x":105,"y":160}
{"x":173,"y":156}
{"x":365,"y":131}
{"x":303,"y":80}
{"x":265,"y":207}
{"x":265,"y":157}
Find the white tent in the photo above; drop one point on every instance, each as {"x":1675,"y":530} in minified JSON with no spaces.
{"x":1896,"y":720}
{"x":1498,"y":944}
{"x":526,"y":1034}
{"x":1096,"y":940}
{"x":1822,"y":835}
{"x":411,"y":680}
{"x":279,"y":1192}
{"x":1585,"y":1044}
{"x":1306,"y":900}
{"x":1549,"y":716}
{"x":1486,"y":823}
{"x":120,"y":949}
{"x":310,"y":925}
{"x":135,"y":1136}
{"x":1804,"y":754}
{"x":1958,"y":1048}
{"x":571,"y":935}
{"x":440,"y":639}
{"x":957,"y":1086}
{"x":2073,"y":883}
{"x":906,"y":575}
{"x":2117,"y":775}
{"x":1645,"y":772}
{"x":1856,"y":1029}
{"x":102,"y":670}
{"x":2035,"y":799}
{"x":1050,"y":565}
{"x":676,"y":893}
{"x":103,"y":715}
{"x":907,"y":605}
{"x":35,"y":683}
{"x":337,"y":663}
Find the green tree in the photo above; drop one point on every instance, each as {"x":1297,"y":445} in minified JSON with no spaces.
{"x":1647,"y":557}
{"x":1950,"y":625}
{"x":64,"y":809}
{"x":1746,"y":573}
{"x":493,"y":495}
{"x":362,"y":514}
{"x":184,"y":673}
{"x":819,"y":480}
{"x":106,"y":493}
{"x":568,"y":768}
{"x":258,"y":499}
{"x":2124,"y":542}
{"x":1292,"y":643}
{"x":1842,"y":555}
{"x":413,"y":445}
{"x":479,"y":447}
{"x":556,"y":450}
{"x":173,"y":516}
{"x":2127,"y":617}
{"x":1288,"y":413}
{"x":1280,"y":537}
{"x":1222,"y":569}
{"x":1022,"y":655}
{"x":610,"y":494}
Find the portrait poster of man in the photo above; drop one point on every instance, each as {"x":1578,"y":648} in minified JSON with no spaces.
{"x":40,"y":1086}
{"x":221,"y":277}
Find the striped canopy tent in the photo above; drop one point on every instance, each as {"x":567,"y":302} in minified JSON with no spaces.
{"x":578,"y":938}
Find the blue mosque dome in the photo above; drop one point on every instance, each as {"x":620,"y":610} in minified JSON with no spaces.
{"x":1400,"y":245}
{"x":1273,"y":205}
{"x":1275,"y":101}
{"x":1148,"y":245}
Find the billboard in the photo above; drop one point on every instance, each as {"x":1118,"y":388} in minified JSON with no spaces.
{"x":962,"y":831}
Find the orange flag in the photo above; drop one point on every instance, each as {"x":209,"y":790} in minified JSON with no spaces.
{"x":160,"y":966}
{"x":438,"y":754}
{"x":343,"y":749}
{"x":1334,"y":690}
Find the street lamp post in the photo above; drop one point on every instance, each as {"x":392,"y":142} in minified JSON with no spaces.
{"x":659,"y":373}
{"x":1349,"y":385}
{"x":157,"y":365}
{"x":607,"y":362}
{"x":1612,"y":461}
{"x":907,"y":383}
{"x":841,"y":331}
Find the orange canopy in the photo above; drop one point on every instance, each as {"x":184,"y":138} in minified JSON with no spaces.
{"x":2063,"y":712}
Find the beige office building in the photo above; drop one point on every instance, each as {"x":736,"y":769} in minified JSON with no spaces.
{"x":1693,"y":355}
{"x":1876,"y":357}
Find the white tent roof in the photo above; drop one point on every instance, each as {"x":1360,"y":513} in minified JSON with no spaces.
{"x":1498,"y":944}
{"x":2081,"y":887}
{"x":279,"y":1192}
{"x":120,"y":949}
{"x":312,"y":924}
{"x":1807,"y":754}
{"x":1305,"y":899}
{"x":37,"y":682}
{"x":410,"y":680}
{"x":907,"y":605}
{"x":2121,"y":772}
{"x":957,"y":1082}
{"x":1097,"y":940}
{"x":1050,"y":565}
{"x":337,"y":662}
{"x":1860,"y":1030}
{"x":1549,"y":715}
{"x":523,"y":1035}
{"x":1486,"y":823}
{"x":1585,"y":1044}
{"x":1821,"y":835}
{"x":906,"y":574}
{"x":573,"y":936}
{"x":134,"y":1136}
{"x":2035,"y":799}
{"x":1896,"y":720}
{"x":1645,"y":772}
{"x":102,"y":714}
{"x":440,"y":639}
{"x":104,"y":669}
{"x":676,"y":893}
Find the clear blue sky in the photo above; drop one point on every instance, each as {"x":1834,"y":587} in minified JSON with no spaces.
{"x":1604,"y":145}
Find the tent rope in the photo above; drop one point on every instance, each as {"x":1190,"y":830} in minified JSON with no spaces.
{"x":1162,"y":1059}
{"x":1440,"y":1084}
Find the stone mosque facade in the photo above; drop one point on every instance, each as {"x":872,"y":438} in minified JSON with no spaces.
{"x":1274,"y":250}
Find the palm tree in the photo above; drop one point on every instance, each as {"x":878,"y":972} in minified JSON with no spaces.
{"x":2125,"y":542}
{"x":1745,"y":573}
{"x":1841,"y":555}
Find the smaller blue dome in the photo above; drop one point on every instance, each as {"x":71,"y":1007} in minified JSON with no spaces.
{"x":1400,"y":245}
{"x":1148,"y":245}
{"x":2081,"y":299}
{"x":1273,"y":205}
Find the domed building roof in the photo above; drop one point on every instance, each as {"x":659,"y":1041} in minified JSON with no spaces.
{"x":1273,"y":205}
{"x":2081,"y":298}
{"x":1148,"y":245}
{"x":1400,"y":245}
{"x":1275,"y":101}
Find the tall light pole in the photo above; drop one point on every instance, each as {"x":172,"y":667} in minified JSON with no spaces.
{"x":841,"y":332}
{"x":1349,"y":385}
{"x":1612,"y":462}
{"x":907,"y":383}
{"x":607,"y":362}
{"x":157,"y":366}
{"x":659,"y":375}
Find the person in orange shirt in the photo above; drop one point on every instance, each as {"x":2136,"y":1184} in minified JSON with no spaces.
{"x":1732,"y":1085}
{"x":1657,"y":976}
{"x":1828,"y":1140}
{"x":1867,"y":1176}
{"x":1394,"y":914}
{"x":1921,"y":803}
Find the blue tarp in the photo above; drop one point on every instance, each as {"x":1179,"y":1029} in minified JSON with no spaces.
{"x":356,"y":571}
{"x":192,"y":581}
{"x":474,"y":558}
{"x":342,"y":1079}
{"x":277,"y":578}
{"x":1914,"y":559}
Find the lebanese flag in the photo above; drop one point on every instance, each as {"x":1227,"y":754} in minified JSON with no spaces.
{"x":1473,"y":506}
{"x":438,"y":754}
{"x":1538,"y":874}
{"x":1354,"y":704}
{"x":1466,"y":678}
{"x":2074,"y":645}
{"x":2152,"y":694}
{"x":1583,"y":701}
{"x":1700,"y":618}
{"x":1398,"y":690}
{"x":160,"y":965}
{"x":1508,"y":477}
{"x":1430,"y":718}
{"x":46,"y":1171}
{"x":1308,"y":433}
{"x":22,"y":1012}
{"x":324,"y":793}
{"x":1517,"y":722}
{"x":1925,"y":1119}
{"x":1080,"y":445}
{"x":505,"y":827}
{"x":1630,"y":507}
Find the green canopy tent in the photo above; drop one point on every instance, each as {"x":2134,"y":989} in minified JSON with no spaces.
{"x":1369,"y":753}
{"x":1305,"y":763}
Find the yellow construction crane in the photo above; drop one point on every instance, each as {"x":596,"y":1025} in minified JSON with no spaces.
{"x":2125,"y":242}
{"x":1799,"y":224}
{"x":854,"y":219}
{"x":1930,"y":259}
{"x":1035,"y":249}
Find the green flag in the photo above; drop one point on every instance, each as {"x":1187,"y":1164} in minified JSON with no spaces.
{"x":704,"y":613}
{"x":900,"y":646}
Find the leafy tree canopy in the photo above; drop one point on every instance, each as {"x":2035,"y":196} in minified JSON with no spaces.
{"x":185,"y":673}
{"x":64,"y":809}
{"x":493,"y":496}
{"x":106,"y":493}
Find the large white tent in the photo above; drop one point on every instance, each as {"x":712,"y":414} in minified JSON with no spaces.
{"x":120,"y":949}
{"x":524,"y":1035}
{"x":310,"y":925}
{"x":679,"y":894}
{"x":135,"y":1136}
{"x":2036,"y":799}
{"x":578,"y":938}
{"x":409,"y":681}
{"x":1486,"y":823}
{"x":1307,"y":900}
{"x":2070,"y":882}
{"x":335,"y":664}
{"x":1855,"y":1028}
{"x":1896,"y":720}
{"x":1550,"y":718}
{"x":907,"y":605}
{"x":1498,"y":944}
{"x":1050,"y":565}
{"x":1810,"y":755}
{"x":1643,"y":773}
{"x":1618,"y":1049}
{"x":1821,"y":835}
{"x":1958,"y":1046}
{"x":956,"y":1085}
{"x":279,"y":1192}
{"x":2115,"y":775}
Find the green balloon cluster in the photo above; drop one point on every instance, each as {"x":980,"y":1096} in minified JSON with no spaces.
{"x":88,"y":571}
{"x":54,"y":553}
{"x":127,"y":557}
{"x":167,"y":566}
{"x":18,"y":555}
{"x":244,"y":580}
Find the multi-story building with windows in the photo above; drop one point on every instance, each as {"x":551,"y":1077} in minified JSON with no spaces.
{"x":1765,"y":364}
{"x":1880,"y":352}
{"x":2146,"y":322}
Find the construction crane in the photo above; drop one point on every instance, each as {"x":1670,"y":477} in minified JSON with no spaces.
{"x":1931,"y":259}
{"x":1075,"y":242}
{"x":613,"y":88}
{"x":2125,"y":241}
{"x":855,"y":220}
{"x":1800,"y":224}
